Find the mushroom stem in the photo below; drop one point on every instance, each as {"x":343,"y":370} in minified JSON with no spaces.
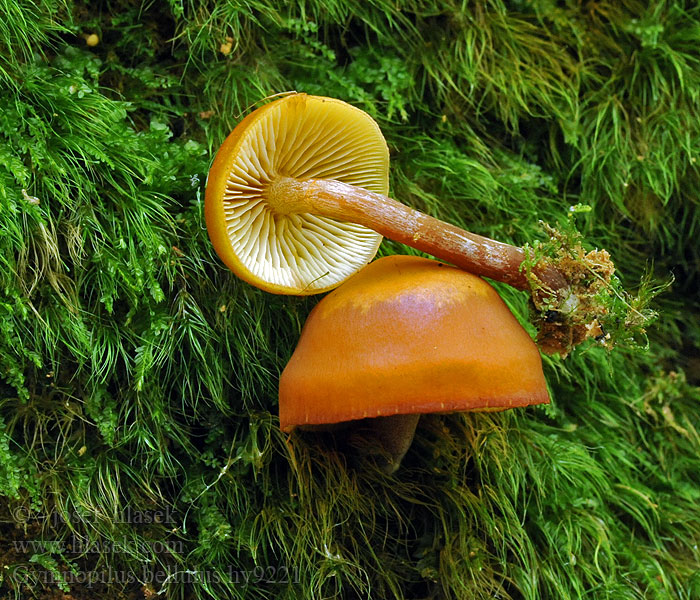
{"x":394,"y":434}
{"x":398,"y":222}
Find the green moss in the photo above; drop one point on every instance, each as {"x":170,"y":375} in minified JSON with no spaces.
{"x":138,"y":377}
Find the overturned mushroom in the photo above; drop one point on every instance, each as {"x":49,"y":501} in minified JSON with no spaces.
{"x":296,"y":203}
{"x":403,"y":337}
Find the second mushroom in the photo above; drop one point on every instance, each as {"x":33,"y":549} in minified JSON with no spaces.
{"x":403,"y":337}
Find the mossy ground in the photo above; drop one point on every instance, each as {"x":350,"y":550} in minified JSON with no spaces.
{"x":139,"y":447}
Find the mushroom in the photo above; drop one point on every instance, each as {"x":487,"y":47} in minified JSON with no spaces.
{"x":296,"y":203}
{"x":403,"y":337}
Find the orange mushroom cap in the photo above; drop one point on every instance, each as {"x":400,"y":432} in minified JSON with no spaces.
{"x":409,"y":335}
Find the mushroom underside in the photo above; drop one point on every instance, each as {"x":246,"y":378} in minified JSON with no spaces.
{"x":383,"y":439}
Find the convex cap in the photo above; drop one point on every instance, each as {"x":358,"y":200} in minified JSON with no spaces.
{"x":298,"y":137}
{"x":409,"y":335}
